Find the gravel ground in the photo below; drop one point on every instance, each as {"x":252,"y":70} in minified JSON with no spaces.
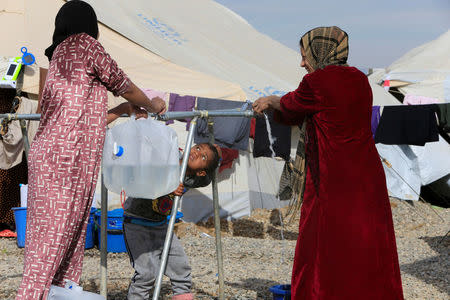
{"x":255,"y":256}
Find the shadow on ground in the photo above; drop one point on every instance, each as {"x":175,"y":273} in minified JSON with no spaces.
{"x":433,"y":270}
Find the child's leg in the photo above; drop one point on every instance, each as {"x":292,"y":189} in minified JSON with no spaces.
{"x":179,"y":271}
{"x":144,"y":246}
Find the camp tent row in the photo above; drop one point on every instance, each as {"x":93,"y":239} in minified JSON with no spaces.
{"x":195,"y":48}
{"x":423,"y":71}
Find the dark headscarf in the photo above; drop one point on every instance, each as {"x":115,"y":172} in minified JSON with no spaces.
{"x":74,"y":17}
{"x":325,"y":46}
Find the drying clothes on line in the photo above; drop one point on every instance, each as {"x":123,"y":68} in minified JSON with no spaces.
{"x":414,"y":100}
{"x":150,"y":93}
{"x":375,"y":119}
{"x":12,"y":143}
{"x":252,"y":128}
{"x":229,"y":132}
{"x":443,"y":111}
{"x":280,"y":133}
{"x":228,"y":156}
{"x":407,"y":125}
{"x":181,"y":103}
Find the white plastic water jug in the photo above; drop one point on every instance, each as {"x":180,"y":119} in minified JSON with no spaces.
{"x":71,"y":291}
{"x":141,"y":157}
{"x":23,"y":194}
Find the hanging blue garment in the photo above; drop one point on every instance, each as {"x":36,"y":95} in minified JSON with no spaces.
{"x":229,"y":132}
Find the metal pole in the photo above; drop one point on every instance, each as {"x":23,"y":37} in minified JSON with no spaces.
{"x":217,"y":219}
{"x":169,"y":233}
{"x":103,"y":240}
{"x":21,"y":116}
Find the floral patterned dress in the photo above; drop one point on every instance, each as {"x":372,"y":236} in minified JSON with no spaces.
{"x":64,"y":162}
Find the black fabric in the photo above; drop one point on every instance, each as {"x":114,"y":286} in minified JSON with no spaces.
{"x":444,"y":116}
{"x":281,"y":134}
{"x":74,"y":17}
{"x":408,"y":125}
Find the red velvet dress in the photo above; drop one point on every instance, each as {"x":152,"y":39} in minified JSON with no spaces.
{"x":346,"y":245}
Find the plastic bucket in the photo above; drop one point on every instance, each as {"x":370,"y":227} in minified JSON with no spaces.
{"x":114,"y":240}
{"x":20,"y":217}
{"x":281,"y":292}
{"x":90,"y":229}
{"x":177,"y":217}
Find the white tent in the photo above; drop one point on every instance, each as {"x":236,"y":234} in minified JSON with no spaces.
{"x":424,"y":71}
{"x":31,"y":24}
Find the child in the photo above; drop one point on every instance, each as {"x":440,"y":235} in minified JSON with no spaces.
{"x":145,"y":227}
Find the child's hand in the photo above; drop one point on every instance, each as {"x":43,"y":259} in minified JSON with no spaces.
{"x":179,"y":191}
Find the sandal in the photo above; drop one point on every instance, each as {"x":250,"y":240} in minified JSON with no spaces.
{"x":7,"y":233}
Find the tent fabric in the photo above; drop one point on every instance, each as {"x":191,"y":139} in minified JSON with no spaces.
{"x":31,"y":24}
{"x":208,"y":37}
{"x":425,"y":70}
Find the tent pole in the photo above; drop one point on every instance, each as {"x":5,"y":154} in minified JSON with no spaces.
{"x":169,"y":234}
{"x":217,"y":218}
{"x":103,"y":240}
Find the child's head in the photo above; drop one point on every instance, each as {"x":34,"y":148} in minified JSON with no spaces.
{"x":203,"y":160}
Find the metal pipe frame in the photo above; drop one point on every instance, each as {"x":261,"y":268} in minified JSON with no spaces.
{"x":219,"y":255}
{"x":103,"y":240}
{"x":104,"y":193}
{"x":169,"y":234}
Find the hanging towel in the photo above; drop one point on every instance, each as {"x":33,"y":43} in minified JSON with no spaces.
{"x":281,"y":134}
{"x":181,"y":103}
{"x":228,"y":156}
{"x":408,"y":125}
{"x":444,"y":116}
{"x":229,"y":132}
{"x":375,"y":119}
{"x":414,"y":100}
{"x":150,"y":93}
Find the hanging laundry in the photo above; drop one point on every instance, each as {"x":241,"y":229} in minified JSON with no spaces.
{"x":12,"y":142}
{"x":228,"y":156}
{"x":414,"y":100}
{"x":443,"y":112}
{"x":375,"y":119}
{"x":181,"y":103}
{"x":252,"y":128}
{"x":229,"y":132}
{"x":150,"y":93}
{"x":281,"y":134}
{"x":408,"y":125}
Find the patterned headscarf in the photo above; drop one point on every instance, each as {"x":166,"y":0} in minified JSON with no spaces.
{"x":325,"y":46}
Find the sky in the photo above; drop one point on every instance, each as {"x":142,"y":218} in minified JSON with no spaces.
{"x":379,"y":31}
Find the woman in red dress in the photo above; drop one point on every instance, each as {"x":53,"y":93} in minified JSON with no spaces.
{"x":65,"y":154}
{"x":346,"y":245}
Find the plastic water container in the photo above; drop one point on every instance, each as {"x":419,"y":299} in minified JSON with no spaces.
{"x":115,"y":241}
{"x":71,"y":291}
{"x":90,"y":229}
{"x":20,"y":218}
{"x":23,"y":194}
{"x":141,"y":157}
{"x":178,"y":216}
{"x":281,"y":292}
